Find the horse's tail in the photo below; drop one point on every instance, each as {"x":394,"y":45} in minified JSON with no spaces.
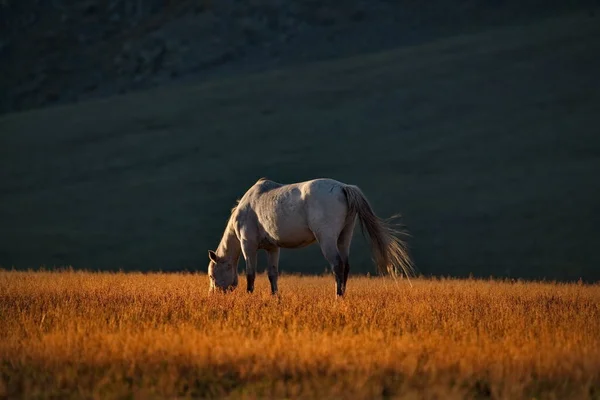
{"x":389,"y":251}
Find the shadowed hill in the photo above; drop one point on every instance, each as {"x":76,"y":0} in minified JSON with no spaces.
{"x":487,"y":144}
{"x":64,"y":51}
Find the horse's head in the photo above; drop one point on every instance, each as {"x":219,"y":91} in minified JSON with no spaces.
{"x":221,"y":273}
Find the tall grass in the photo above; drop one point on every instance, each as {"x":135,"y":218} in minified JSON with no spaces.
{"x":102,"y":335}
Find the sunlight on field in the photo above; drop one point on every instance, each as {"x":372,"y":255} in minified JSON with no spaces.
{"x":77,"y":334}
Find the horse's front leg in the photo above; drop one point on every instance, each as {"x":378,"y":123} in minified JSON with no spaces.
{"x":273,"y":268}
{"x":249,"y":249}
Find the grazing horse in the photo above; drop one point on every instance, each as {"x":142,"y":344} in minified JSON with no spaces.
{"x":272,"y":215}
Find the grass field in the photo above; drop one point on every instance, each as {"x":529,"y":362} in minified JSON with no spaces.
{"x":486,"y":143}
{"x":114,"y":335}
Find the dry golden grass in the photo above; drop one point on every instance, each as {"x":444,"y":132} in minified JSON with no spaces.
{"x":100,"y":335}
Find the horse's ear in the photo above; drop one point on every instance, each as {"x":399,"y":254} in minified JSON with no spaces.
{"x":213,"y":256}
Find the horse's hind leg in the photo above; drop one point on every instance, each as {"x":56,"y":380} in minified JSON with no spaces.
{"x":330,"y":251}
{"x":344,"y":241}
{"x":273,"y":268}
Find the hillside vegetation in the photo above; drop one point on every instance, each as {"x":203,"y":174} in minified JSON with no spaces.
{"x":486,"y":143}
{"x":56,"y":52}
{"x":89,"y":335}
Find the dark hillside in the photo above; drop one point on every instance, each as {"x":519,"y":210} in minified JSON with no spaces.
{"x":487,"y":144}
{"x":62,"y":51}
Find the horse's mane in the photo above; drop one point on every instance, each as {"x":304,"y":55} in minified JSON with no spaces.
{"x":237,"y":203}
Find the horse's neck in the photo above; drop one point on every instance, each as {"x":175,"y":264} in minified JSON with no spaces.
{"x":230,"y":245}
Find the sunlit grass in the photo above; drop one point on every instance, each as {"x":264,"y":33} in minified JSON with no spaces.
{"x":79,"y":334}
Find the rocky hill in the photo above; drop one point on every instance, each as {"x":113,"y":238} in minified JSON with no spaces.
{"x":60,"y":51}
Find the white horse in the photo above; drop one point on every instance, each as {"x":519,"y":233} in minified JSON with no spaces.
{"x":271,"y":216}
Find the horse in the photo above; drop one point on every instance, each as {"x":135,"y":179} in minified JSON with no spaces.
{"x":271,"y":216}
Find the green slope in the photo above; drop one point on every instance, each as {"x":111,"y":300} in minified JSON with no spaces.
{"x":487,"y":144}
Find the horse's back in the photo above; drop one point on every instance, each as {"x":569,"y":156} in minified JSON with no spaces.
{"x":280,"y":212}
{"x":291,"y":213}
{"x":322,"y":192}
{"x":318,"y":191}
